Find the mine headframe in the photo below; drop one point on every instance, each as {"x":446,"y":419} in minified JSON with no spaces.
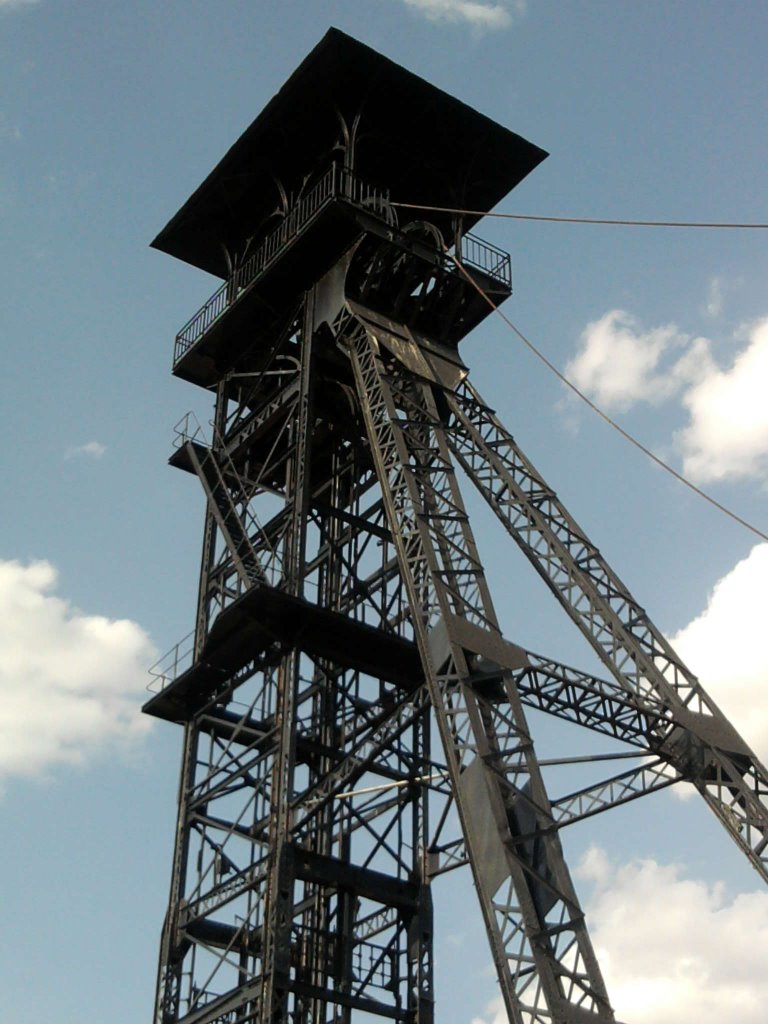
{"x":354,"y":720}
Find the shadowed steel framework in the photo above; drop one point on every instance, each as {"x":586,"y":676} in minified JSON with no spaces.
{"x":354,"y":721}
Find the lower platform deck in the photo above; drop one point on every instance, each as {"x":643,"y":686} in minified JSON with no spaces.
{"x":266,"y":619}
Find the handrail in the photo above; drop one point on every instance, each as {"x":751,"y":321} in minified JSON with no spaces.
{"x":495,"y":262}
{"x":172,"y":664}
{"x":336,"y":183}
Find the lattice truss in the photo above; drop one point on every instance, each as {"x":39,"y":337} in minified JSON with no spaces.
{"x":358,"y":721}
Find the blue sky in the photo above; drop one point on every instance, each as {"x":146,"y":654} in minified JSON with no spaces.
{"x":110,"y":115}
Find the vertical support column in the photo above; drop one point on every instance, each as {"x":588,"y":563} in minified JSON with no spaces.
{"x":278,"y":912}
{"x":168,"y":990}
{"x":331,"y":933}
{"x":420,"y":945}
{"x":169,"y":979}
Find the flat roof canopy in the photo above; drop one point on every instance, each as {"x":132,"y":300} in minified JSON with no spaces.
{"x":413,"y":139}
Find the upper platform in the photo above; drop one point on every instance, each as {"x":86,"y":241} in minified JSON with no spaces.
{"x":402,"y":135}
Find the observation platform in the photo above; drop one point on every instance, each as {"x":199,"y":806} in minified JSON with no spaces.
{"x":349,"y":136}
{"x":308,"y":242}
{"x":265,"y":619}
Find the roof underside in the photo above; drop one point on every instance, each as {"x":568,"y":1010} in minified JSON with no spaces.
{"x":414,"y":140}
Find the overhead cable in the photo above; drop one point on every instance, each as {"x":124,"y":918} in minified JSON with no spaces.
{"x":596,"y":409}
{"x":587,"y":220}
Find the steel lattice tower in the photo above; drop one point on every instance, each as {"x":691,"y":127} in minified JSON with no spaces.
{"x":354,"y":721}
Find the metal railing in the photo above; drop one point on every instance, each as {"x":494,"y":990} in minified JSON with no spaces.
{"x":487,"y":258}
{"x":171,"y":665}
{"x":335,"y":183}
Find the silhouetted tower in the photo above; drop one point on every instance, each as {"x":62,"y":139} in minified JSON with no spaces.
{"x":353,"y":718}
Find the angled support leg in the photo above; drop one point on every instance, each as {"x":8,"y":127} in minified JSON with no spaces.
{"x":545,"y":962}
{"x":689,"y":731}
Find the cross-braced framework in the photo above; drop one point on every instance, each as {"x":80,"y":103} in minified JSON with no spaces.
{"x":354,"y":719}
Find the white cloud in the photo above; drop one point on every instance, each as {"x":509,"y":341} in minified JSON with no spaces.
{"x":727,"y":433}
{"x":676,"y":949}
{"x":725,"y":646}
{"x":91,"y":450}
{"x":618,"y":364}
{"x":671,"y":948}
{"x":478,"y":13}
{"x":70,"y":683}
{"x":8,"y":4}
